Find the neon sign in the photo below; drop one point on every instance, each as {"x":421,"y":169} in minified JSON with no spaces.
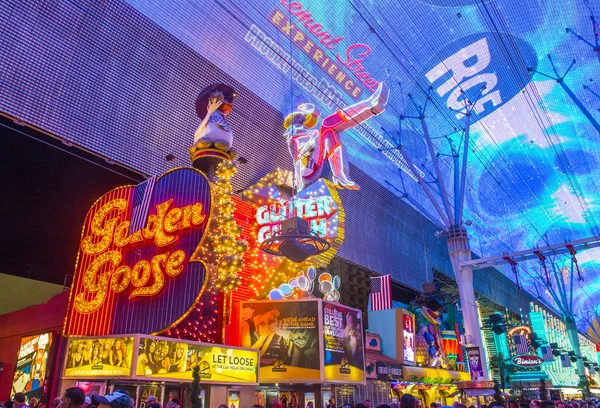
{"x":137,"y":256}
{"x":315,"y":203}
{"x":161,"y":228}
{"x":527,"y":360}
{"x":409,"y":339}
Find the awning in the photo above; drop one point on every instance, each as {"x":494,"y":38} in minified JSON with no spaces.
{"x":382,"y":367}
{"x":432,"y":375}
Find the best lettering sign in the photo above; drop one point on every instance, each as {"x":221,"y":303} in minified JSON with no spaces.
{"x":527,"y":360}
{"x":137,"y":256}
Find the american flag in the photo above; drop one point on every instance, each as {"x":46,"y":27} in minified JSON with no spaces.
{"x":381,"y":293}
{"x":547,"y":354}
{"x":141,"y":204}
{"x":521,"y":344}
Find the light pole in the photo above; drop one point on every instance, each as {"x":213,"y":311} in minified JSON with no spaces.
{"x":449,"y":208}
{"x":563,"y":298}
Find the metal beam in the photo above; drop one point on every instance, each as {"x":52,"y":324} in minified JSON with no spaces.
{"x":529,"y":254}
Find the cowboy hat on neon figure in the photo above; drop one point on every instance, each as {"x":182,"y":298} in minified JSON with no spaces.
{"x":310,"y":146}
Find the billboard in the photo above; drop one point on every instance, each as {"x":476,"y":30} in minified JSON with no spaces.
{"x":408,"y":328}
{"x":138,"y":254}
{"x":99,"y":357}
{"x":344,"y":359}
{"x":287,"y":335}
{"x":161,"y":358}
{"x":31,"y":366}
{"x":475,"y":365}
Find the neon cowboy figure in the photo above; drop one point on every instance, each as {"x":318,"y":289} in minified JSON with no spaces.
{"x":310,"y":147}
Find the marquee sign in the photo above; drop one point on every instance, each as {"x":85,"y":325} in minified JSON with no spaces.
{"x":137,"y":255}
{"x":315,"y":204}
{"x":527,"y":360}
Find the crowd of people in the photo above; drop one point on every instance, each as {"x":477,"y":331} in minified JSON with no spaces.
{"x":75,"y":398}
{"x":408,"y":401}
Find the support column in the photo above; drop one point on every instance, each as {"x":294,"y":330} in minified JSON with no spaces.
{"x":574,"y":338}
{"x":460,"y":251}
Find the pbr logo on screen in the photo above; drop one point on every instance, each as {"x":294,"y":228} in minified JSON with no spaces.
{"x":138,"y":256}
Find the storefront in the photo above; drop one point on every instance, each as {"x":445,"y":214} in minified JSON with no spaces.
{"x":401,"y":361}
{"x":159,"y":366}
{"x":311,"y":350}
{"x":431,"y":384}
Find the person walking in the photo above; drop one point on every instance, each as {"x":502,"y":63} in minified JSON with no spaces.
{"x":20,"y":400}
{"x":73,"y":398}
{"x":408,"y":401}
{"x":117,"y":399}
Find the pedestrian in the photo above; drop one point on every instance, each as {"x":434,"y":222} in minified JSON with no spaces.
{"x":151,"y":402}
{"x":33,"y":402}
{"x":433,"y":405}
{"x":367,"y":403}
{"x":73,"y":398}
{"x":10,"y":404}
{"x":43,"y":403}
{"x":117,"y":399}
{"x":330,"y":404}
{"x":20,"y":400}
{"x":408,"y":401}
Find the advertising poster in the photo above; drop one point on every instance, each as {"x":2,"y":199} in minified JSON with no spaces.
{"x":475,"y":367}
{"x":408,"y":325}
{"x":30,"y":368}
{"x":260,"y":398}
{"x":343,"y":339}
{"x":287,"y":335}
{"x":100,"y":357}
{"x":233,"y":399}
{"x":170,"y":359}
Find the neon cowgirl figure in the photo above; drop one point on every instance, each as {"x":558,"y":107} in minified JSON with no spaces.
{"x":310,"y":147}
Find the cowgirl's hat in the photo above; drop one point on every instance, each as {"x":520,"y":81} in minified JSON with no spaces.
{"x":311,"y":115}
{"x":228,"y":93}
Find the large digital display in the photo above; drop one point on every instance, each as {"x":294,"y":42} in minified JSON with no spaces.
{"x":287,"y":335}
{"x":534,"y":161}
{"x":32,"y":365}
{"x":532,"y":170}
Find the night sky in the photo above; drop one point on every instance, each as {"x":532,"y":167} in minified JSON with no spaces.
{"x":46,"y":194}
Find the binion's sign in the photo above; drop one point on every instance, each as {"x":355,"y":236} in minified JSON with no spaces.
{"x":138,"y":255}
{"x":315,"y":204}
{"x":527,"y":360}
